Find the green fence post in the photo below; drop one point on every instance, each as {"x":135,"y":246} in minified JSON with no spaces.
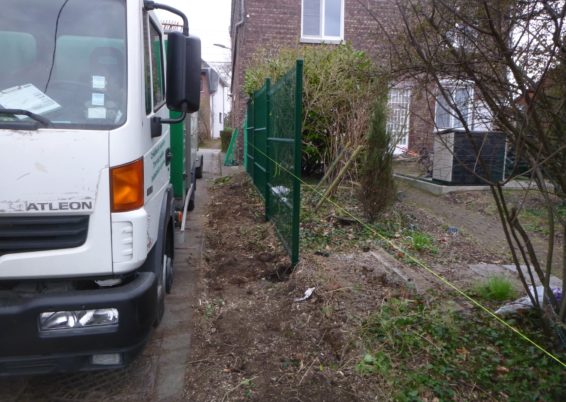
{"x":297,"y":167}
{"x":251,"y":136}
{"x":267,"y":150}
{"x":245,"y":132}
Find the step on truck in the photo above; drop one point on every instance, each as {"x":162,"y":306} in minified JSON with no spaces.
{"x":96,"y":105}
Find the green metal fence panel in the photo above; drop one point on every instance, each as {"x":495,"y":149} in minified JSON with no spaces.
{"x":250,"y":132}
{"x":229,"y":159}
{"x":274,"y":153}
{"x":261,"y":110}
{"x":284,"y":156}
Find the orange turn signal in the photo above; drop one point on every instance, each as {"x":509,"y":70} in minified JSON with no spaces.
{"x":126,"y":186}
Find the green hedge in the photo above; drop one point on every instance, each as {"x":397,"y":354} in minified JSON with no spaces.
{"x":225,"y":137}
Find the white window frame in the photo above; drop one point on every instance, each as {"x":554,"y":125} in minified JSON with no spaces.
{"x":452,"y":86}
{"x":401,"y":141}
{"x":322,"y":38}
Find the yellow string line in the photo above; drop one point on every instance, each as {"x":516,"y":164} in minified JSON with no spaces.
{"x":420,"y":264}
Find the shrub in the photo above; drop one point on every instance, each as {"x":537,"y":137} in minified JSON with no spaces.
{"x":377,"y":186}
{"x":340,"y":84}
{"x":225,"y":137}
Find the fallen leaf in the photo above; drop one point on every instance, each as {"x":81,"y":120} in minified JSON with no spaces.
{"x":502,"y":370}
{"x":463,"y":352}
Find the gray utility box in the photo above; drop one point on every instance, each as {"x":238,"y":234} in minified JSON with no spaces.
{"x":466,"y":158}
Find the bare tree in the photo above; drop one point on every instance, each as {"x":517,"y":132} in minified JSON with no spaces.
{"x":513,"y":54}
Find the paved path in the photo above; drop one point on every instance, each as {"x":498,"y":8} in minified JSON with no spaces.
{"x":159,"y":373}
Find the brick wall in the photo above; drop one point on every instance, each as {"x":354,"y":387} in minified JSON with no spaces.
{"x":276,"y":24}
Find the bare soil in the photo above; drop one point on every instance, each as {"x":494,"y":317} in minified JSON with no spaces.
{"x":474,"y":214}
{"x":254,"y":341}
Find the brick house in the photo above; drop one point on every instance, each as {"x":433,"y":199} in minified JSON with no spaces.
{"x":289,"y":23}
{"x":214,"y":104}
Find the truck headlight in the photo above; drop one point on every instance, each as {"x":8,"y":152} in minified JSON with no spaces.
{"x":61,"y":320}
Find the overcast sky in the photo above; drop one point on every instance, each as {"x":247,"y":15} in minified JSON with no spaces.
{"x":209,"y":20}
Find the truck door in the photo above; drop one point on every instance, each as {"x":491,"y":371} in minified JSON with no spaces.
{"x":157,"y":159}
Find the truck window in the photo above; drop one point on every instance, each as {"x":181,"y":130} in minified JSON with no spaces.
{"x":153,"y":68}
{"x":147,"y":65}
{"x":69,"y":54}
{"x":157,"y":66}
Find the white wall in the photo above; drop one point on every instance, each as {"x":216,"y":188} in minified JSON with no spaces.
{"x":219,"y":105}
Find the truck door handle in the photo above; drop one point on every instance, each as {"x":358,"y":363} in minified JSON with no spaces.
{"x":168,"y":156}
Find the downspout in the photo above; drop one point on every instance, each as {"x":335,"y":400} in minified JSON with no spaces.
{"x":235,"y":45}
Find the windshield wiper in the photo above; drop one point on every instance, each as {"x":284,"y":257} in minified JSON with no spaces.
{"x":23,"y":124}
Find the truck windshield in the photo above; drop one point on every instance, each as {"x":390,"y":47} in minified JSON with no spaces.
{"x":64,"y":60}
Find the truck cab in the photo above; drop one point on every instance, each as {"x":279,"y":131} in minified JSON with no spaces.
{"x":86,"y":202}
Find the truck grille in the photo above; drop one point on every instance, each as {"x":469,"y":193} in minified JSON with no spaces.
{"x":24,"y":234}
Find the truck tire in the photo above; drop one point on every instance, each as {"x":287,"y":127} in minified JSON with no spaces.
{"x":198,"y":170}
{"x":164,"y":278}
{"x":191,"y":205}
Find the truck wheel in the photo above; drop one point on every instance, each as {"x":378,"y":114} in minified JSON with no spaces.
{"x":164,"y":280}
{"x":191,"y":205}
{"x":198,"y":170}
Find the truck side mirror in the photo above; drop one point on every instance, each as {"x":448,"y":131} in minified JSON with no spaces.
{"x":183,"y":73}
{"x":193,"y":68}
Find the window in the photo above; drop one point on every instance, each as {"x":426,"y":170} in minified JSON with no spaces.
{"x":452,"y":106}
{"x":398,"y":119}
{"x":154,"y":74}
{"x":322,"y":20}
{"x":157,"y":66}
{"x":220,"y":117}
{"x":66,"y":61}
{"x":147,"y":67}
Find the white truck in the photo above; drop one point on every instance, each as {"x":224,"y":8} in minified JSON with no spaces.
{"x":87,"y":204}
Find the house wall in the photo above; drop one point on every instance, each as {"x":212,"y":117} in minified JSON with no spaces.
{"x":204,"y":130}
{"x":277,"y":24}
{"x":218,"y":110}
{"x":422,"y":126}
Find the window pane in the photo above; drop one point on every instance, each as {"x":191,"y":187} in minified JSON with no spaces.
{"x":462,"y":100}
{"x":442,"y":114}
{"x":398,"y":119}
{"x":157,"y":67}
{"x":332,"y":17}
{"x":147,"y":68}
{"x":72,"y":54}
{"x":311,"y":17}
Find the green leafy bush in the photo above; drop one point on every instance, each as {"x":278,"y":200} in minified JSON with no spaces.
{"x":339,"y":88}
{"x":225,"y":137}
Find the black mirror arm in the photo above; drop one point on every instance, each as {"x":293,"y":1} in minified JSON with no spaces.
{"x":151,"y":5}
{"x":172,"y":121}
{"x":157,"y":123}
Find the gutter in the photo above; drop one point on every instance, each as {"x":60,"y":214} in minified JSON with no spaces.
{"x":234,"y":46}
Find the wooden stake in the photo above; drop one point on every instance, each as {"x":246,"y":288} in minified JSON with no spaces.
{"x":338,"y":178}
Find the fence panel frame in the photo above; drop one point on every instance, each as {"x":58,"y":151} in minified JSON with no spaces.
{"x":260,"y":149}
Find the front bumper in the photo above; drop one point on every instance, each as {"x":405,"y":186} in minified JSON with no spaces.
{"x":26,"y":350}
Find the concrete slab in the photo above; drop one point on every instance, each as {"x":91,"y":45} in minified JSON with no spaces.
{"x":509,"y":271}
{"x":439,"y":189}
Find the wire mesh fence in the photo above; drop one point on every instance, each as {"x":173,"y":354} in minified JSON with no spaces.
{"x":274,"y":153}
